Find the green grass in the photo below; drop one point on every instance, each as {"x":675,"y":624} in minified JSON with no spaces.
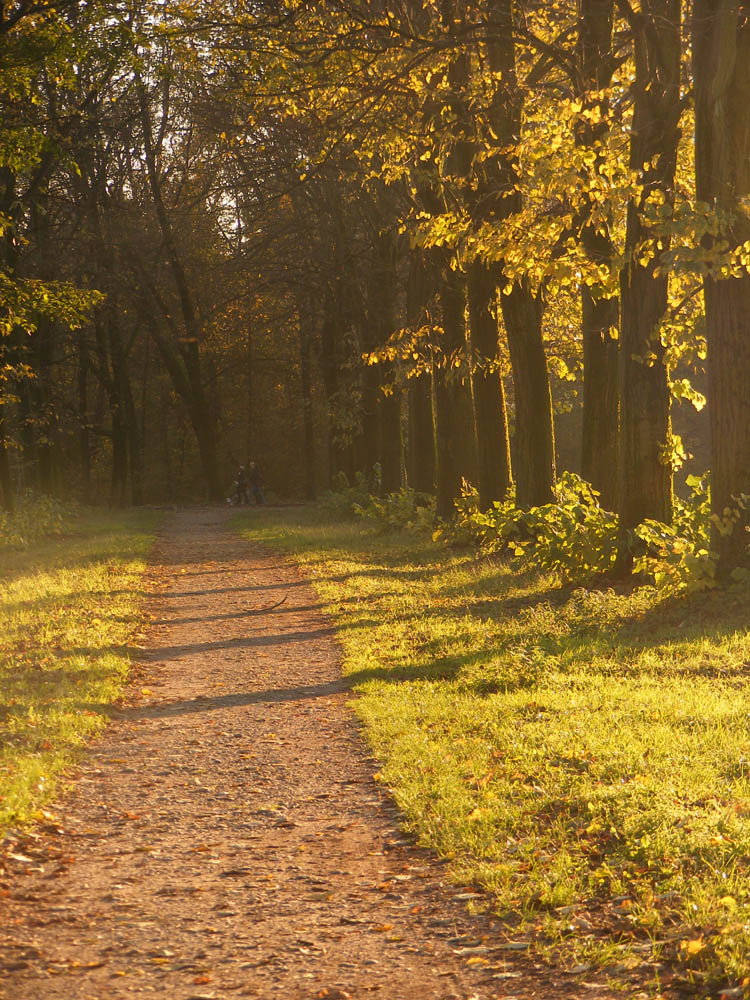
{"x":584,"y":756}
{"x":68,"y":609}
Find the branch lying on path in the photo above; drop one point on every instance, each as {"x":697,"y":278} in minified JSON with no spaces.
{"x":266,"y":607}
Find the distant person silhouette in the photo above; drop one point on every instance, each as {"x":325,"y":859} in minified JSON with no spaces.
{"x":240,"y":486}
{"x":255,"y":478}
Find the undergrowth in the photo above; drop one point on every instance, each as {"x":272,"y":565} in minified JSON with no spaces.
{"x":580,"y":754}
{"x":573,"y":537}
{"x":36,"y":517}
{"x":68,"y":609}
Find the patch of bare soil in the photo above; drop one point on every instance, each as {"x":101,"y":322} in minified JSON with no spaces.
{"x":226,"y":838}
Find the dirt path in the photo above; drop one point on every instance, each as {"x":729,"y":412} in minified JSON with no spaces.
{"x":225,"y":838}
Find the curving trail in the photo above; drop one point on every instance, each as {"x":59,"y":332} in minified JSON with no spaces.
{"x":225,"y":837}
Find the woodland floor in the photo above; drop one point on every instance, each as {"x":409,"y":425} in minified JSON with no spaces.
{"x":225,"y":837}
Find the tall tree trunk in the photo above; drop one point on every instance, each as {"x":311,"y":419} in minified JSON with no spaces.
{"x":134,"y":442}
{"x":490,"y":416}
{"x":339,"y":456}
{"x":454,"y":419}
{"x":601,"y":406}
{"x":534,"y":456}
{"x":390,"y":433}
{"x":421,"y":452}
{"x":249,"y":397}
{"x":84,"y":423}
{"x":522,"y":308}
{"x":6,"y":484}
{"x":306,"y":336}
{"x":645,"y":473}
{"x":721,"y":62}
{"x":421,"y":439}
{"x":600,"y":315}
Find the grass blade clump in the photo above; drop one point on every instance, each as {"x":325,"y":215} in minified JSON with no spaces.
{"x":68,"y":610}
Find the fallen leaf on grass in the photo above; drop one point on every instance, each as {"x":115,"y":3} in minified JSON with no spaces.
{"x":692,"y":947}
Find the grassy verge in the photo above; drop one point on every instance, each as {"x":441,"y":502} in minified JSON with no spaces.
{"x":68,"y":608}
{"x":584,"y":756}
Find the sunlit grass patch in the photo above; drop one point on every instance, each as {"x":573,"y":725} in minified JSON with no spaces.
{"x":68,"y":609}
{"x":583,"y":755}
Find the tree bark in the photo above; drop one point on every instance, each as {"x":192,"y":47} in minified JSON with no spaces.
{"x":6,"y":483}
{"x":645,"y":473}
{"x":534,"y":455}
{"x":339,"y":455}
{"x":306,"y":336}
{"x":421,"y":440}
{"x":600,"y":314}
{"x":601,"y":405}
{"x":84,"y":432}
{"x":721,"y":63}
{"x":522,"y":308}
{"x":490,"y":416}
{"x":454,"y":419}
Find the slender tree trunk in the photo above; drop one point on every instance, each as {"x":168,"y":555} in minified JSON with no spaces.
{"x":6,"y":484}
{"x":26,"y":420}
{"x":600,"y":315}
{"x":42,"y":394}
{"x":249,"y":397}
{"x":721,"y":61}
{"x":421,"y":454}
{"x":119,"y":456}
{"x":534,"y":457}
{"x":645,"y":473}
{"x":84,"y":424}
{"x":522,"y":308}
{"x":454,"y":418}
{"x":490,"y":416}
{"x":421,"y":440}
{"x":390,"y":434}
{"x":600,"y":396}
{"x":134,"y":442}
{"x":390,"y":444}
{"x":339,"y":457}
{"x":306,"y":321}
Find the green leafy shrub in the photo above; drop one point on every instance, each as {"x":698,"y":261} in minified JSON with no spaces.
{"x":678,"y":556}
{"x":343,"y":499}
{"x":406,"y":509}
{"x":574,"y":537}
{"x":36,"y":517}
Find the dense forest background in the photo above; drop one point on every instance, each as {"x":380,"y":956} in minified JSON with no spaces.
{"x":474,"y":241}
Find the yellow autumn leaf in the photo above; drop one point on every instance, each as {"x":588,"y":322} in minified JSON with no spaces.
{"x":692,"y":947}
